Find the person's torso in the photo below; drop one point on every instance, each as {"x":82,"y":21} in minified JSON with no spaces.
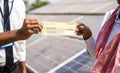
{"x":17,"y":16}
{"x":115,"y":29}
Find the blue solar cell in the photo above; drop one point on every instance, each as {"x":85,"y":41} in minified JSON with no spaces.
{"x":70,"y":64}
{"x":79,"y":58}
{"x":85,"y":61}
{"x":69,"y":71}
{"x":76,"y":67}
{"x":64,"y":70}
{"x":85,"y":54}
{"x":83,"y":71}
{"x":81,"y":64}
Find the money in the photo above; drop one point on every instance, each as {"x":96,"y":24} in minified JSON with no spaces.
{"x":58,"y":28}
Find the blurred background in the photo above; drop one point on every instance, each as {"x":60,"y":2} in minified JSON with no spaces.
{"x":63,"y":54}
{"x":33,"y":4}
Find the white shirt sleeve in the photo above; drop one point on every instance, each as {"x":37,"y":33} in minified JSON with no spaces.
{"x":20,"y":46}
{"x":91,"y":42}
{"x":91,"y":46}
{"x":21,"y":50}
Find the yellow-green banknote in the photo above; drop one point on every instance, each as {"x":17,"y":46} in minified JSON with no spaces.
{"x":58,"y":28}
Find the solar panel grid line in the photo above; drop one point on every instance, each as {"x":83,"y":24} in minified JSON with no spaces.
{"x":74,"y":65}
{"x":48,"y":59}
{"x":79,"y":67}
{"x":65,"y":62}
{"x":70,"y":64}
{"x":67,"y":50}
{"x":44,"y":68}
{"x":64,"y":48}
{"x":41,"y":69}
{"x":37,"y":40}
{"x":50,"y":62}
{"x":62,"y":57}
{"x":69,"y":39}
{"x":42,"y":63}
{"x":31,"y":69}
{"x":73,"y":70}
{"x":84,"y":69}
{"x":76,"y":68}
{"x":79,"y":61}
{"x":77,"y":64}
{"x":51,"y":59}
{"x":65,"y":70}
{"x":73,"y":42}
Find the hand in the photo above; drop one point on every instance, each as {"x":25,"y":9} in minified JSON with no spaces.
{"x":83,"y":30}
{"x":30,"y":26}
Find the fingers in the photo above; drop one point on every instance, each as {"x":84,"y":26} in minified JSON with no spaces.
{"x":79,"y":28}
{"x":78,"y":32}
{"x":83,"y":30}
{"x":79,"y":24}
{"x":33,"y":25}
{"x":30,"y":26}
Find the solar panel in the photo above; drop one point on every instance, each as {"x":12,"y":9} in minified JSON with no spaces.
{"x":47,"y":53}
{"x":81,"y":64}
{"x":51,"y":51}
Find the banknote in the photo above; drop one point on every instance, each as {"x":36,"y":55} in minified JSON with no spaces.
{"x":58,"y":28}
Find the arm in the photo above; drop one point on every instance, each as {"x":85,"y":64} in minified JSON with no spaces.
{"x":22,"y":67}
{"x":21,"y":34}
{"x":82,"y":29}
{"x":21,"y":51}
{"x":8,"y":37}
{"x":91,"y":42}
{"x":21,"y":45}
{"x":91,"y":46}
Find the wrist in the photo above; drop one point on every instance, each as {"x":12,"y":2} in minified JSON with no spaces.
{"x":87,"y":36}
{"x":19,"y":34}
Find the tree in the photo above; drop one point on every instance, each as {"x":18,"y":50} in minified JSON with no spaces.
{"x":38,"y":3}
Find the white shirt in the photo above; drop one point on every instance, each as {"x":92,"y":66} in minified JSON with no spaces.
{"x":91,"y":41}
{"x":16,"y":20}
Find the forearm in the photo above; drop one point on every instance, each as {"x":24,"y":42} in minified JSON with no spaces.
{"x":8,"y":37}
{"x":91,"y":46}
{"x":21,"y":34}
{"x":22,"y":67}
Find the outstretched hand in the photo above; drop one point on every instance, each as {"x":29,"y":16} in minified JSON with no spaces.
{"x":30,"y":26}
{"x":83,"y":30}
